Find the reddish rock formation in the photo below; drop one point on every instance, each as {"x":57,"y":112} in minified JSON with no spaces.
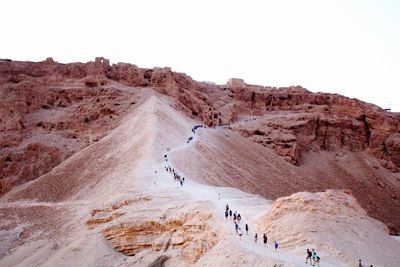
{"x":50,"y":111}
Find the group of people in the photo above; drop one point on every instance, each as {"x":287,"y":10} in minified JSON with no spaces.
{"x":195,"y":127}
{"x":168,"y":168}
{"x":229,"y":213}
{"x":236,"y":220}
{"x":177,"y":177}
{"x":312,"y":257}
{"x":238,"y":230}
{"x":251,"y":119}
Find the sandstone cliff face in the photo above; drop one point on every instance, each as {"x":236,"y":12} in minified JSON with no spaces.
{"x":48,"y":113}
{"x":294,"y":121}
{"x":187,"y":230}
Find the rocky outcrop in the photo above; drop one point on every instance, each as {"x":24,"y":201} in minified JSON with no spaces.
{"x":318,"y":122}
{"x":48,"y":113}
{"x":186,"y":229}
{"x":392,"y":150}
{"x":338,"y":229}
{"x":190,"y":232}
{"x":19,"y":166}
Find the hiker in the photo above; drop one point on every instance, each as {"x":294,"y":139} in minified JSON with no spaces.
{"x":276,"y":245}
{"x":239,"y":217}
{"x":226,"y":215}
{"x":313,"y":256}
{"x":230,"y":214}
{"x":265,"y":238}
{"x":236,"y":227}
{"x":246,"y":227}
{"x":255,"y":238}
{"x":183,"y":179}
{"x":234,"y":217}
{"x":309,"y":255}
{"x":227,"y":206}
{"x":219,"y":196}
{"x":181,"y":182}
{"x":360,"y":263}
{"x":317,"y":259}
{"x":240,"y":233}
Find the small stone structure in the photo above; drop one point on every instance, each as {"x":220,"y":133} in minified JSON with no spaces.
{"x":235,"y":82}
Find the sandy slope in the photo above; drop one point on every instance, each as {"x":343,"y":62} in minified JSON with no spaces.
{"x":43,"y":222}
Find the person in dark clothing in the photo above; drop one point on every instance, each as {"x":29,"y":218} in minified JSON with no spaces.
{"x":246,"y":227}
{"x":255,"y":238}
{"x":230,"y":214}
{"x":227,"y":207}
{"x":276,"y":245}
{"x":309,"y":256}
{"x":226,"y":215}
{"x":265,"y":239}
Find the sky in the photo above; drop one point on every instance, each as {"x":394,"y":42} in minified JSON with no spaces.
{"x":339,"y":46}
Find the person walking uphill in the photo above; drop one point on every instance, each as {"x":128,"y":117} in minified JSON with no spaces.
{"x":309,"y":256}
{"x":265,"y":239}
{"x":240,"y":233}
{"x":316,"y":260}
{"x":246,"y":227}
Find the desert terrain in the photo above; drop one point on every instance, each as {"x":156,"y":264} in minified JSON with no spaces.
{"x":85,"y":151}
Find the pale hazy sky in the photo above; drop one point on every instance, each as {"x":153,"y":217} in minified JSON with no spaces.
{"x":347,"y":47}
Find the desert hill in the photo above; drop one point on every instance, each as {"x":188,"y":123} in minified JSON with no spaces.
{"x":83,"y":174}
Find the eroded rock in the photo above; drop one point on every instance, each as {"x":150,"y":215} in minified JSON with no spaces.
{"x":190,"y":232}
